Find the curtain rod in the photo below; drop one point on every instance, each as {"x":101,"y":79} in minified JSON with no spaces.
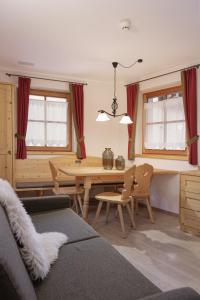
{"x":32,"y":77}
{"x":195,"y":66}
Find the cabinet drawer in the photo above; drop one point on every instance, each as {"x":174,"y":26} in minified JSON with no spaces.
{"x":190,"y":200}
{"x":190,"y":218}
{"x":190,"y":183}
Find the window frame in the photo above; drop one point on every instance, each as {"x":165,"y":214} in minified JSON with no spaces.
{"x":67,"y":96}
{"x":166,"y":152}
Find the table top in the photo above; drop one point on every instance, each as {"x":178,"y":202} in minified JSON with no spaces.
{"x":100,"y":171}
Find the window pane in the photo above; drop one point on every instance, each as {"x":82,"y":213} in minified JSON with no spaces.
{"x":56,"y":110}
{"x":56,"y":135}
{"x":36,"y":110}
{"x":154,"y":112}
{"x":35,"y":134}
{"x":154,"y":136}
{"x":175,"y":136}
{"x":174,"y":109}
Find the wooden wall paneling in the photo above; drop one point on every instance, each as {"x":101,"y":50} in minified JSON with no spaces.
{"x":6,"y":131}
{"x":38,"y":170}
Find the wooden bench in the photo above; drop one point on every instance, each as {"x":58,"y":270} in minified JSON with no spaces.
{"x":35,"y":175}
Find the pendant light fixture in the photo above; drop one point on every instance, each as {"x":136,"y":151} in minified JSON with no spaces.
{"x":103,"y":115}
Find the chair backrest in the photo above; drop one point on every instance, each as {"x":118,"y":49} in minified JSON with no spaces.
{"x":15,"y":282}
{"x":54,"y":173}
{"x":128,"y":182}
{"x":143,"y":176}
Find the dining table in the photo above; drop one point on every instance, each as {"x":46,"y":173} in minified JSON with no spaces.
{"x":92,"y":175}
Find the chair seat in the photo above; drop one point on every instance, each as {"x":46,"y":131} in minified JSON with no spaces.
{"x":72,"y":190}
{"x":112,"y":197}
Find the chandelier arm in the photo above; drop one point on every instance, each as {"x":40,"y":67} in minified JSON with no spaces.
{"x":130,"y":66}
{"x":112,"y":115}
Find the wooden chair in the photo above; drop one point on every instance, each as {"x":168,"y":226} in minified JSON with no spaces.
{"x":121,"y":200}
{"x":72,"y":191}
{"x":143,"y":176}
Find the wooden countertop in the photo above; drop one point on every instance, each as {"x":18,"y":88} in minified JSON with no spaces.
{"x":191,"y":173}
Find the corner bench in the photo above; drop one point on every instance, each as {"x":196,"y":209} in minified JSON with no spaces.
{"x":34,"y":174}
{"x":41,"y":187}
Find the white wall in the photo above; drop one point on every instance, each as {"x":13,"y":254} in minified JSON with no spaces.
{"x":98,"y":95}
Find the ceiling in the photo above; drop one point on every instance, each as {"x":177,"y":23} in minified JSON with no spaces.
{"x":80,"y":38}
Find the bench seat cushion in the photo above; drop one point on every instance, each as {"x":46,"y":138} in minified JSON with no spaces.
{"x":65,"y":221}
{"x":49,"y":184}
{"x":42,"y":184}
{"x":92,"y":269}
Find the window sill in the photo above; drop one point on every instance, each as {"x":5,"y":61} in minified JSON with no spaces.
{"x":50,"y":153}
{"x":162,"y":156}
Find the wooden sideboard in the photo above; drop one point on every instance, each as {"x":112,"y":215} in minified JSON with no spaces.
{"x":190,"y":202}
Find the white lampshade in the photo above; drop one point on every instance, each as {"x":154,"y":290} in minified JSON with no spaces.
{"x":102,"y":117}
{"x":126,"y":120}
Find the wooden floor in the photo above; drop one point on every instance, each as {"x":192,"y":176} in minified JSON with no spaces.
{"x":164,"y":254}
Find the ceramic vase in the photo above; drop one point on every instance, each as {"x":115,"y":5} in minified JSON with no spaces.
{"x":120,"y":163}
{"x":108,"y":159}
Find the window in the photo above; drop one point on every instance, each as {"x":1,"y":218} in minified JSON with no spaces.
{"x":164,"y":122}
{"x":49,"y":121}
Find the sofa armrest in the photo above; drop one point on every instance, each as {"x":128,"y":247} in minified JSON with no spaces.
{"x":40,"y":204}
{"x":177,"y":294}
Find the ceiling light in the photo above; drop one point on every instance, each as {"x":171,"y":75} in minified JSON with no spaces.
{"x":103,"y":115}
{"x":126,"y":120}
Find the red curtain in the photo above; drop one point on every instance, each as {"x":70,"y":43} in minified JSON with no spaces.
{"x":78,"y":117}
{"x":22,"y":115}
{"x":132,"y":104}
{"x":189,"y":83}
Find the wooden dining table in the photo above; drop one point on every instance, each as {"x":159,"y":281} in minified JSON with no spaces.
{"x":91,"y":175}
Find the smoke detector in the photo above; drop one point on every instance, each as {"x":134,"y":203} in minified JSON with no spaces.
{"x":125,"y":24}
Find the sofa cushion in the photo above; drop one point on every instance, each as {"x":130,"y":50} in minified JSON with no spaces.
{"x":177,"y":294}
{"x":40,"y":204}
{"x":65,"y":221}
{"x":15,"y":283}
{"x":92,"y":270}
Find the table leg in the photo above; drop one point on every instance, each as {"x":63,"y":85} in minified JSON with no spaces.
{"x":87,"y":187}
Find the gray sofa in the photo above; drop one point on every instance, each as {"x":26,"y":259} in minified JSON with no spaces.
{"x":88,"y":268}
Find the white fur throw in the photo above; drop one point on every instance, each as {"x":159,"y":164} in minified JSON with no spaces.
{"x":38,"y":251}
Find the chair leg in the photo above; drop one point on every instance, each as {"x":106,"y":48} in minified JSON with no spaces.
{"x":80,"y":204}
{"x":119,"y":207}
{"x":76,"y":204}
{"x":136,"y":206}
{"x":97,"y":213}
{"x":133,"y":206}
{"x":116,"y":213}
{"x":72,"y":203}
{"x":107,"y":211}
{"x":149,"y":208}
{"x":130,"y":215}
